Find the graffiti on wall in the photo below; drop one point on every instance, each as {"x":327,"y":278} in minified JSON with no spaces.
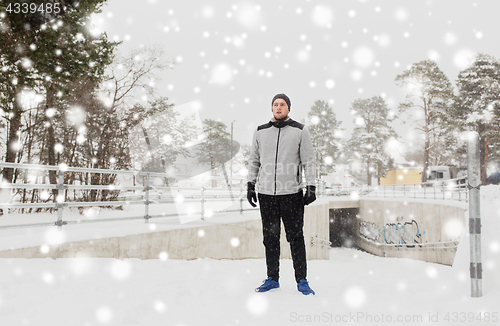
{"x":369,"y":230}
{"x":404,"y":234}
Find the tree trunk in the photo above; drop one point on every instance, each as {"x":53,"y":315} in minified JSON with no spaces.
{"x":368,"y":173}
{"x":213,"y":173}
{"x":426,"y":158}
{"x":426,"y":143}
{"x":13,"y":140}
{"x":51,"y":140}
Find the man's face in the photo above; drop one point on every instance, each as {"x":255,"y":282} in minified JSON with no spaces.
{"x":280,"y":109}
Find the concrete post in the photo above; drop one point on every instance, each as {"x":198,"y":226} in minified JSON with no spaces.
{"x":474,"y":182}
{"x":60,"y":194}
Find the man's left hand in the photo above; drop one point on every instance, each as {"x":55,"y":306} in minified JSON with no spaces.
{"x":310,"y":195}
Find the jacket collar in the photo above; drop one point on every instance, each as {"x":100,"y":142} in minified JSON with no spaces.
{"x":280,"y":124}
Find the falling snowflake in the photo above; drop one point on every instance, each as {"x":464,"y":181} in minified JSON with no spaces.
{"x":235,"y":242}
{"x":303,"y":56}
{"x":463,"y":58}
{"x":104,"y":315}
{"x":257,"y":304}
{"x":80,"y":266}
{"x":315,"y":120}
{"x":160,"y":306}
{"x":450,"y":38}
{"x":249,"y":16}
{"x":363,"y":56}
{"x":356,"y":75}
{"x":433,"y":55}
{"x":44,"y":249}
{"x":322,"y":16}
{"x":48,"y":278}
{"x":50,"y":113}
{"x":120,"y":270}
{"x":383,"y":40}
{"x":401,"y":14}
{"x":58,"y":148}
{"x":328,"y":160}
{"x":208,"y":12}
{"x":355,"y":297}
{"x":453,"y":229}
{"x":494,"y":246}
{"x":431,"y":272}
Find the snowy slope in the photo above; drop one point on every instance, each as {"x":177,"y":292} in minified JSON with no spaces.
{"x":352,"y":288}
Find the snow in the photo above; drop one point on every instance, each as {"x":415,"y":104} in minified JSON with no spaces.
{"x":463,"y":58}
{"x":353,"y":287}
{"x":363,"y":57}
{"x":102,"y":225}
{"x":322,"y":16}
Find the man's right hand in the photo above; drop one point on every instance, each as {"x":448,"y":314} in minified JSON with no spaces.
{"x":251,"y":195}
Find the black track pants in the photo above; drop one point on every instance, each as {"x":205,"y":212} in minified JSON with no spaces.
{"x":291,"y":210}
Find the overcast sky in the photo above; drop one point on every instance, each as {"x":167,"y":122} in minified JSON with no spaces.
{"x":234,"y":56}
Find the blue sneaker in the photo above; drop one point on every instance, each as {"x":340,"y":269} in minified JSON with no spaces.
{"x":268,"y":284}
{"x":303,"y":286}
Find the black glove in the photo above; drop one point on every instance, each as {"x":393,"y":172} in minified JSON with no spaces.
{"x":310,"y":195}
{"x":251,"y":195}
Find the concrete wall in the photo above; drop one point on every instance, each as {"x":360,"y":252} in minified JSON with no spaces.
{"x":417,"y":230}
{"x":391,"y":228}
{"x":221,"y":241}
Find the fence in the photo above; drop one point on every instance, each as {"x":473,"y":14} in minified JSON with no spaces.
{"x":452,"y":189}
{"x":153,"y":191}
{"x":147,"y":194}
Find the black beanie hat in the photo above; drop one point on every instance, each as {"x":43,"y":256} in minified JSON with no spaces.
{"x":283,"y":97}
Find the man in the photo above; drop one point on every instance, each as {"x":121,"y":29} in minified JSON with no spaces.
{"x":281,"y":148}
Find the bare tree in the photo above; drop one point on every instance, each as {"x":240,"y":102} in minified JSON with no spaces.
{"x":130,"y":78}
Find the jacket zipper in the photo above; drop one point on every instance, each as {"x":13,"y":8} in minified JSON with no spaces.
{"x":276,"y":160}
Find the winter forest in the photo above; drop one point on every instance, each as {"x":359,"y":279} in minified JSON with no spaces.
{"x":70,"y":94}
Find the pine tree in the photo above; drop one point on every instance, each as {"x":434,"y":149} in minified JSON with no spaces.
{"x":47,"y":53}
{"x":430,"y":92}
{"x":216,"y":147}
{"x":478,"y":105}
{"x":325,"y":135}
{"x":371,"y":134}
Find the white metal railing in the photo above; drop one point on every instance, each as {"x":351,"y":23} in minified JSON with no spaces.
{"x":452,"y":189}
{"x":147,"y":194}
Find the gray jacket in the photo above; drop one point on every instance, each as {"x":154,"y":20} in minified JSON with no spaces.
{"x":278,"y":156}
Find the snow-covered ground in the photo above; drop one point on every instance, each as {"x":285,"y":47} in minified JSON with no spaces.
{"x":352,"y":288}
